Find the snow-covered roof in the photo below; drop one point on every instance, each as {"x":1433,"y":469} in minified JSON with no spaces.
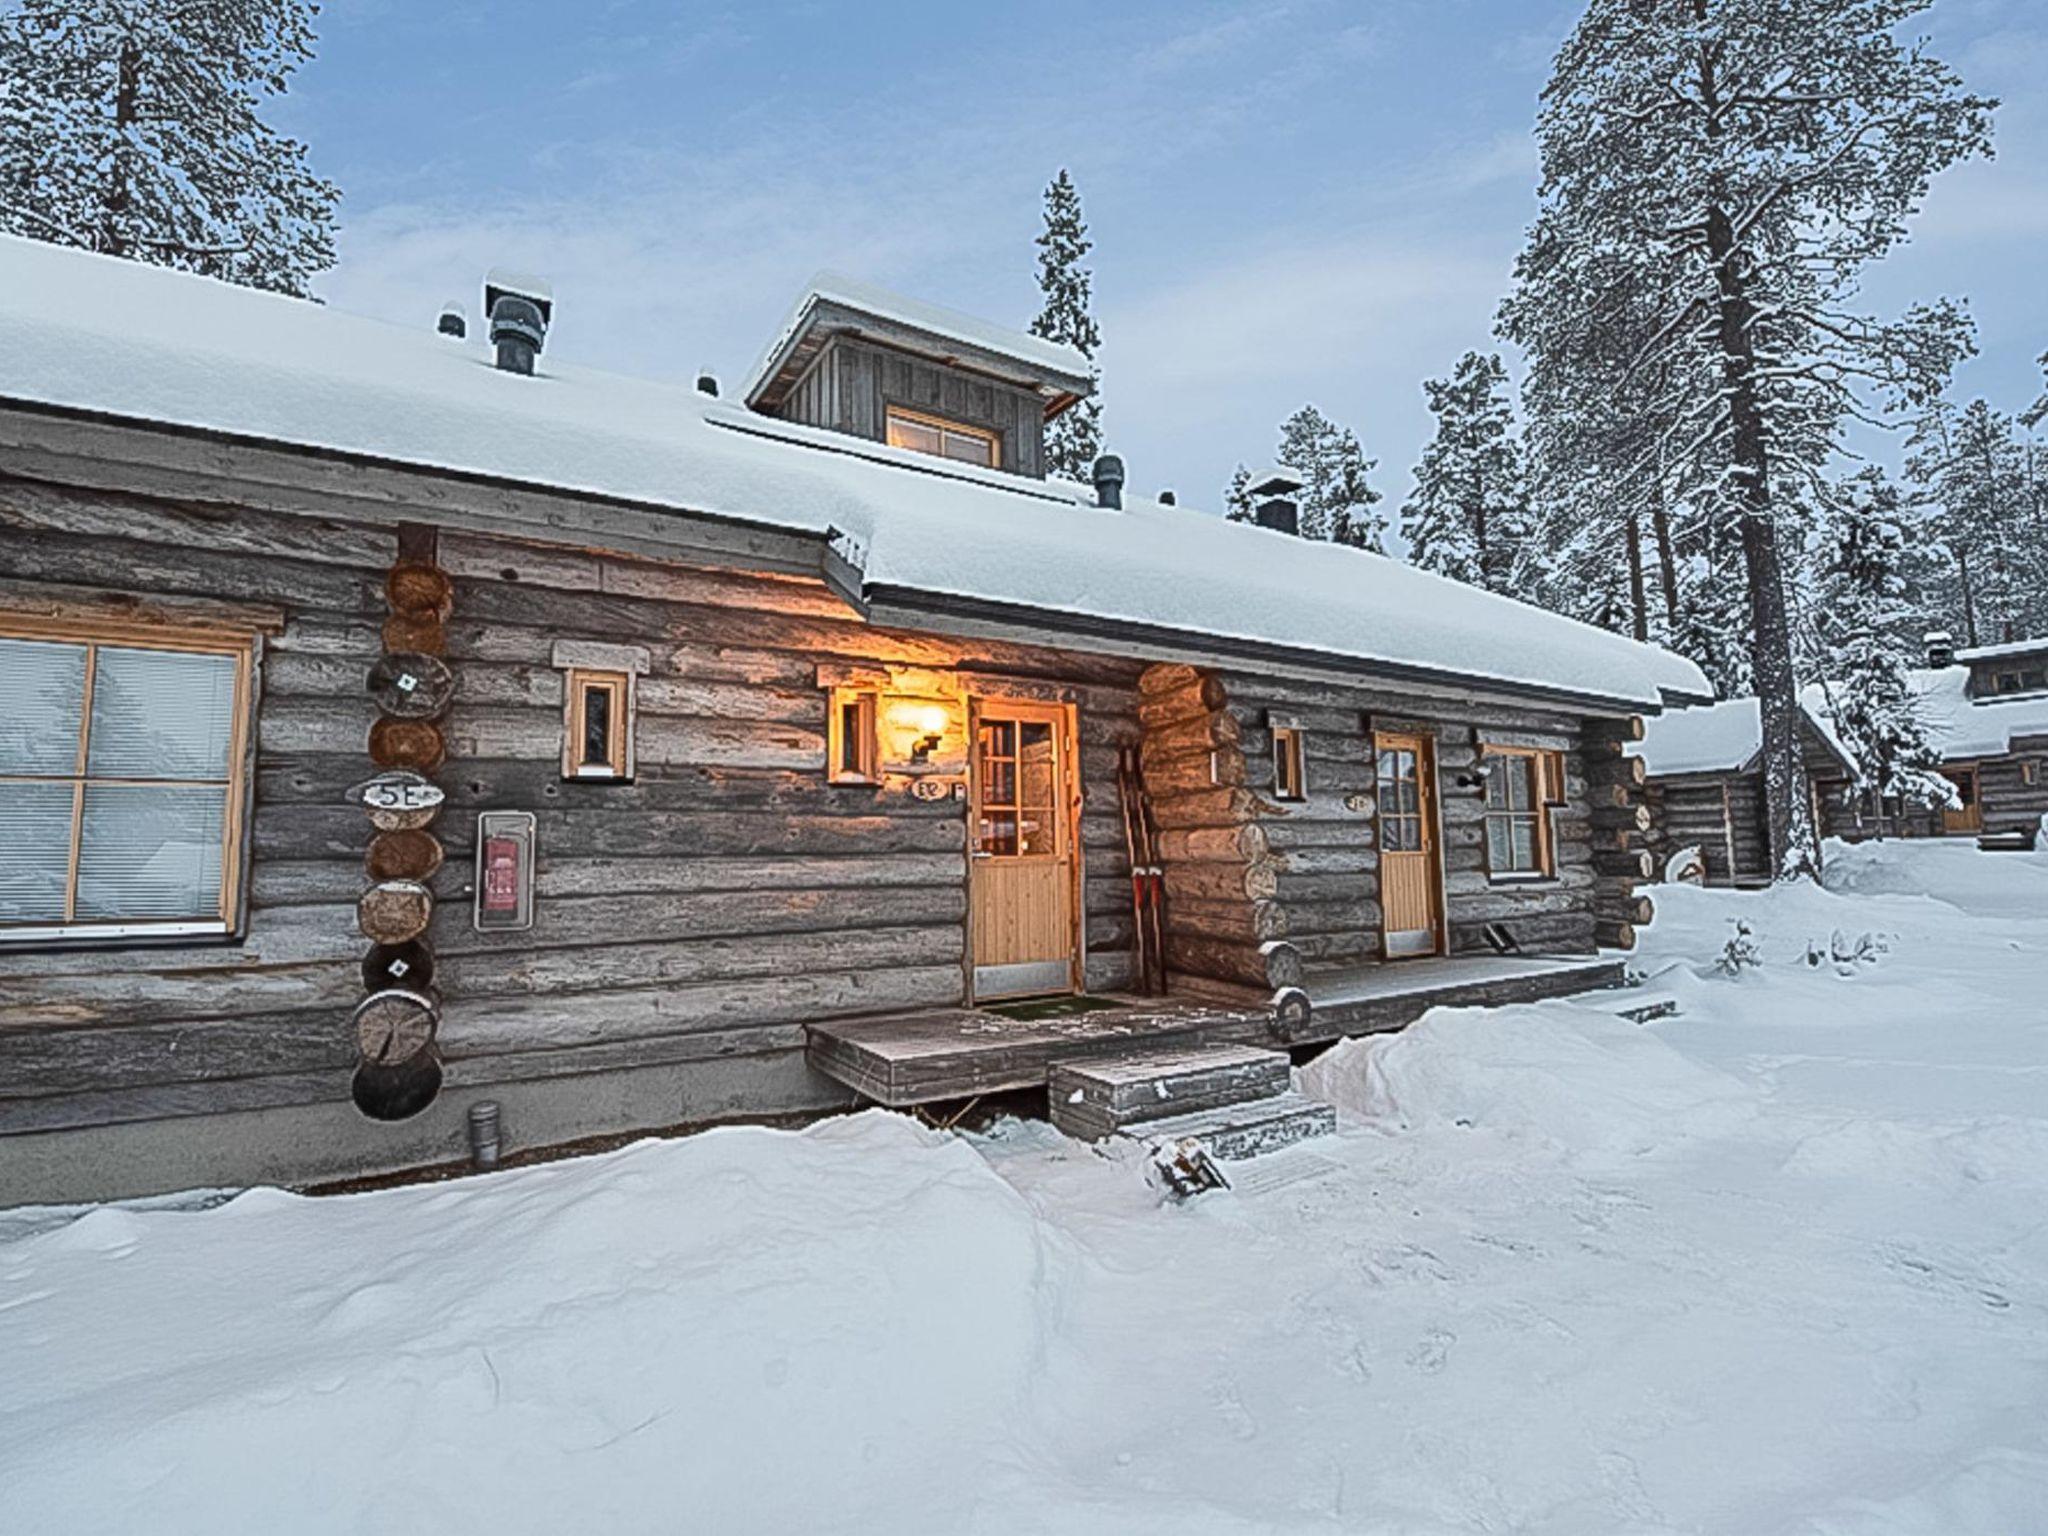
{"x":1727,"y":737}
{"x":1999,"y":652}
{"x":1959,"y":727}
{"x":1033,"y":352}
{"x":123,"y":340}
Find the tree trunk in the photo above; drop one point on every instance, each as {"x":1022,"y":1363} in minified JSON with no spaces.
{"x":1639,"y":603}
{"x":114,"y":205}
{"x":1969,"y":598}
{"x":1667,"y":565}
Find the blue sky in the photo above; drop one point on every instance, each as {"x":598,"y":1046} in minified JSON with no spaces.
{"x":1291,"y":201}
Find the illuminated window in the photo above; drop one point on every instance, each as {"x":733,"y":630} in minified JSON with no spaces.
{"x":1522,"y":784}
{"x":851,"y":746}
{"x":1289,"y":782}
{"x":597,"y":733}
{"x":121,"y":782}
{"x":945,"y":439}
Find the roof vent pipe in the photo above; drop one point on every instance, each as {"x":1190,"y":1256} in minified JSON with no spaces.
{"x":484,"y":1143}
{"x":1109,"y":482}
{"x":454,"y":321}
{"x":707,"y":383}
{"x":1941,"y":648}
{"x":1167,"y":499}
{"x":520,"y":309}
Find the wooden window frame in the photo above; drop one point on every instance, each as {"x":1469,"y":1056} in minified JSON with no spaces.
{"x":866,"y":705}
{"x":1290,"y":765}
{"x":891,"y":414}
{"x":1546,"y":785}
{"x":578,"y":683}
{"x":185,"y":639}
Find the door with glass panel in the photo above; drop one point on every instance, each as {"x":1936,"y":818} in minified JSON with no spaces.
{"x":1022,"y":871}
{"x":120,"y":784}
{"x":1411,"y":907}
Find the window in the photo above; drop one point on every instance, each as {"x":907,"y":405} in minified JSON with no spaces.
{"x":2030,"y":771}
{"x":1019,"y":781}
{"x":121,"y":782}
{"x":946,"y":439}
{"x":1289,"y":782}
{"x":2019,"y":680}
{"x":851,"y":739}
{"x":1522,"y":783}
{"x":597,"y":736}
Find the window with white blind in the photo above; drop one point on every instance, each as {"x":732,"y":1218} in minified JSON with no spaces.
{"x":120,"y":783}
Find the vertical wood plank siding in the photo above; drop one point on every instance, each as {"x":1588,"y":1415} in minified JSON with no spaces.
{"x":706,"y":910}
{"x":851,"y":383}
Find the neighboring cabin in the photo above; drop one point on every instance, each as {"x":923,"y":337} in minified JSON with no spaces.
{"x":756,"y":748}
{"x":1705,"y":786}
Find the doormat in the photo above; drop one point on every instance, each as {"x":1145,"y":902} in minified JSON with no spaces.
{"x":1052,"y":1007}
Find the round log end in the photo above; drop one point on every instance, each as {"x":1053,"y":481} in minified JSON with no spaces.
{"x":394,"y":1026}
{"x":395,"y":911}
{"x":403,"y":855}
{"x":1617,"y":935}
{"x":414,"y":744}
{"x":421,"y":634}
{"x":1283,"y":964}
{"x":419,"y":590}
{"x":398,"y":1092}
{"x":409,"y":965}
{"x":412,"y":685}
{"x":1292,"y":1011}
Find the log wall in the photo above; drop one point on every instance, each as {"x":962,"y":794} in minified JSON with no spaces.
{"x":703,"y":911}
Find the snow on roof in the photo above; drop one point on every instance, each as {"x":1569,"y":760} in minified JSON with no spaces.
{"x":1962,"y":728}
{"x":836,"y":288}
{"x":1714,"y":738}
{"x":92,"y":333}
{"x":2009,"y":648}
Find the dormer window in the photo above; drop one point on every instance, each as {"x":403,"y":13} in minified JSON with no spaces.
{"x":947,"y":439}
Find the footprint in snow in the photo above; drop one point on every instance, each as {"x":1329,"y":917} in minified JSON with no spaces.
{"x":1432,"y":1351}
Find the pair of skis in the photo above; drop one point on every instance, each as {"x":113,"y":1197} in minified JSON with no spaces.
{"x":1148,"y":876}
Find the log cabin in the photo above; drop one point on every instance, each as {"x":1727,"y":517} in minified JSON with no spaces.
{"x":1985,"y":710}
{"x":1705,"y":787}
{"x":418,"y":746}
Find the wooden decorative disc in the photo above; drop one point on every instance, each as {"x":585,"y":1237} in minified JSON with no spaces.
{"x":394,"y":911}
{"x":410,"y":855}
{"x":409,"y":966}
{"x":414,"y":744}
{"x":418,"y":590}
{"x":398,"y":800}
{"x":395,"y":1026}
{"x":400,"y":1092}
{"x":411,"y":685}
{"x":422,"y":633}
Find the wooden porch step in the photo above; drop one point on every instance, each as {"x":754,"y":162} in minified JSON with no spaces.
{"x":1094,"y":1099}
{"x":1239,"y":1131}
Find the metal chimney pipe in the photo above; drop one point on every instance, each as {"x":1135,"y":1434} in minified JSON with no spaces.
{"x":1941,"y":649}
{"x":483,"y":1134}
{"x":517,"y":331}
{"x":707,"y":383}
{"x":1109,"y":482}
{"x":454,"y":321}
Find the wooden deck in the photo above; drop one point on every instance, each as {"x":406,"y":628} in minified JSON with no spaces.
{"x":955,"y":1053}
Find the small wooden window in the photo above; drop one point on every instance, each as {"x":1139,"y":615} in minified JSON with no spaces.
{"x":946,"y":439}
{"x":1522,"y":784}
{"x":122,"y":781}
{"x":2030,"y":771}
{"x":851,"y":739}
{"x":597,"y":730}
{"x":1289,"y":780}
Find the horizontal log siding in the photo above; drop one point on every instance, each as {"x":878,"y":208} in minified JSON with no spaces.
{"x":706,"y":910}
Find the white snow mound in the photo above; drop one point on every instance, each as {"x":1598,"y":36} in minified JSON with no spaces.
{"x":1584,"y":1080}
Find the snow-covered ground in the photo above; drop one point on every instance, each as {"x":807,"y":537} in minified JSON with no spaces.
{"x":1778,"y":1264}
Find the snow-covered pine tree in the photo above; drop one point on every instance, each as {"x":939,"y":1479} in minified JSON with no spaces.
{"x":1075,"y":436}
{"x":1744,"y":161}
{"x":1237,"y":496}
{"x":1469,"y":516}
{"x":1971,"y":469}
{"x":132,"y":127}
{"x":1869,"y":630}
{"x":1337,"y":502}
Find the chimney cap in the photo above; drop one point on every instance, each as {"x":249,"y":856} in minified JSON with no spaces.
{"x":538,"y":291}
{"x":454,"y":321}
{"x":1166,"y":498}
{"x":1275,"y":480}
{"x":707,"y":382}
{"x":1108,"y":475}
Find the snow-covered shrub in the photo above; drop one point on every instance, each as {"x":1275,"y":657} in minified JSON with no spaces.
{"x":1741,"y":952}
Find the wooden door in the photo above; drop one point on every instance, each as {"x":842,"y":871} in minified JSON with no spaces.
{"x":1023,"y":871}
{"x":1410,"y":900}
{"x":1969,"y":816}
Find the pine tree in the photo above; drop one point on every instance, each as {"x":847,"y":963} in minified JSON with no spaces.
{"x":1869,"y":630}
{"x":1469,"y":516}
{"x":1075,"y":436}
{"x":1735,"y":166}
{"x":131,"y":127}
{"x":1337,"y":502}
{"x":1237,"y":496}
{"x":1972,"y":470}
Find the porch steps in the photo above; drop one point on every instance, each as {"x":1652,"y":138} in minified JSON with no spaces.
{"x":1093,"y":1099}
{"x":1239,"y":1131}
{"x":1235,"y":1099}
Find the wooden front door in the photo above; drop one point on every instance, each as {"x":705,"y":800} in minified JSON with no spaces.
{"x":1023,"y":871}
{"x":1410,"y":905}
{"x":1969,"y":816}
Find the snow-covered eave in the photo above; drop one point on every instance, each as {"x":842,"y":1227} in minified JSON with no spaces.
{"x":893,"y":604}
